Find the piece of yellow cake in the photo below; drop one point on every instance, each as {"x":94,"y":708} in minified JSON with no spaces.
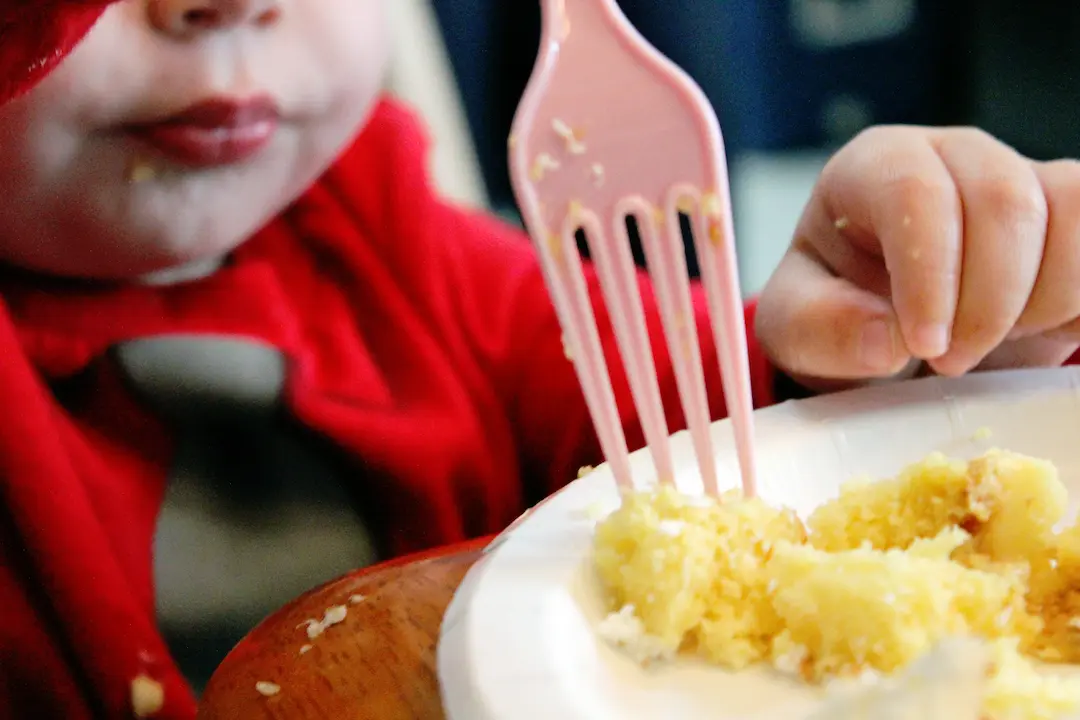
{"x":869,"y":609}
{"x":693,"y":570}
{"x":876,"y":578}
{"x":1055,"y":595}
{"x":1008,"y":502}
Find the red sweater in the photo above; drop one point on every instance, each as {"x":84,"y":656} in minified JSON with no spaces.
{"x":419,"y":339}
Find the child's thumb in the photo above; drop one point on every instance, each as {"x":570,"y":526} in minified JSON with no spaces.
{"x":814,"y":324}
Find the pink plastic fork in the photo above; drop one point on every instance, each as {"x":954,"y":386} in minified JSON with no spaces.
{"x":609,"y":128}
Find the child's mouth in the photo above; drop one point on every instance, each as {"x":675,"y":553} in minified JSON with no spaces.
{"x":221,"y":131}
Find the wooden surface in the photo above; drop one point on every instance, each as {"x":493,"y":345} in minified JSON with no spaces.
{"x":377,"y":663}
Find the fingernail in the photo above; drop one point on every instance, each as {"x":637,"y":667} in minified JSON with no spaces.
{"x":950,"y":366}
{"x":930,"y":340}
{"x":876,"y":348}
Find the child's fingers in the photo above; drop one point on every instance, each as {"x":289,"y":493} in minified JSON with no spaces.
{"x":1055,"y":300}
{"x":814,"y":324}
{"x":1004,"y":221}
{"x":890,"y":193}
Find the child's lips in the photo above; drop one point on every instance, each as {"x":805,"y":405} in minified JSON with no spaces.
{"x":221,"y":131}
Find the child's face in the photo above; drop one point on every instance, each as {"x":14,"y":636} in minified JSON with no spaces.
{"x":87,"y":194}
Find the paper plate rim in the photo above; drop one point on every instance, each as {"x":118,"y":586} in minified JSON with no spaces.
{"x":551,"y":550}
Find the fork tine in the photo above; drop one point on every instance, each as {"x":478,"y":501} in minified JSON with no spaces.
{"x":560,"y":262}
{"x":615,"y":267}
{"x":665,"y":256}
{"x":714,"y":241}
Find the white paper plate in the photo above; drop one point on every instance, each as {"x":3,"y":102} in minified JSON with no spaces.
{"x":519,"y":640}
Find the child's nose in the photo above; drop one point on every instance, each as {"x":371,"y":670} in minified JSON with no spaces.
{"x":184,"y":18}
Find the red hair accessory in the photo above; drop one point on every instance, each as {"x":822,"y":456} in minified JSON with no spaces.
{"x":35,"y":36}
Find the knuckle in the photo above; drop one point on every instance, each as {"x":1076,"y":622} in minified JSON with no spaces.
{"x":1011,"y":202}
{"x":1066,"y":214}
{"x":876,"y":134}
{"x":1066,"y":168}
{"x":1061,"y":180}
{"x":988,"y":330}
{"x":1054,"y":301}
{"x":873,"y":144}
{"x":971,"y":133}
{"x":977,"y":337}
{"x":920,"y":192}
{"x":1067,"y":203}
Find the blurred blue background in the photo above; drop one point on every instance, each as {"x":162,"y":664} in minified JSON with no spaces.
{"x":782,"y":74}
{"x":793,"y":79}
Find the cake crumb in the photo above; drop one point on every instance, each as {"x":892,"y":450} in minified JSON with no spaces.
{"x":147,"y":696}
{"x":334,"y":616}
{"x":624,"y":630}
{"x":305,"y":649}
{"x":598,"y":174}
{"x":331,"y":617}
{"x":555,"y":247}
{"x":565,"y":24}
{"x":713,"y":210}
{"x":543,"y":165}
{"x":357,"y":598}
{"x":574,"y":146}
{"x":313,"y":627}
{"x":267,"y":689}
{"x":659,"y":217}
{"x":141,"y":170}
{"x":842,"y":223}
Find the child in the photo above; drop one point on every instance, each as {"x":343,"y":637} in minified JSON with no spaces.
{"x":191,"y":191}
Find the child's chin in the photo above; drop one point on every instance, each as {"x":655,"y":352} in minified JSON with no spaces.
{"x":182,"y":272}
{"x":165,"y":270}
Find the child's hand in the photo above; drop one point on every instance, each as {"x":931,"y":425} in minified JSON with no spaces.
{"x":942,"y":245}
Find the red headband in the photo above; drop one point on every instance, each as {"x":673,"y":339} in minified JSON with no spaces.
{"x":35,"y":36}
